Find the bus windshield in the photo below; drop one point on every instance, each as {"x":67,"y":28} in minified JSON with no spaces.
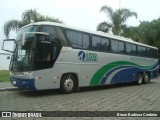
{"x":22,"y":58}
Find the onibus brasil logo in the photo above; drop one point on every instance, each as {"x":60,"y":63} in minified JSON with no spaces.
{"x":85,"y":56}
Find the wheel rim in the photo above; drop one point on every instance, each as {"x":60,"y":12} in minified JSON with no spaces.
{"x":68,"y":84}
{"x":140,"y":78}
{"x":146,"y":77}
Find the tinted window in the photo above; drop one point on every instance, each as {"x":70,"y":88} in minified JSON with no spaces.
{"x":128,"y":48}
{"x":85,"y":41}
{"x":151,"y":53}
{"x":144,"y":51}
{"x":114,"y":46}
{"x":156,"y":53}
{"x":75,"y":39}
{"x":140,"y":51}
{"x":96,"y":43}
{"x":121,"y":47}
{"x":134,"y":51}
{"x":78,"y":39}
{"x":48,"y":29}
{"x":45,"y":55}
{"x":105,"y":44}
{"x":148,"y":52}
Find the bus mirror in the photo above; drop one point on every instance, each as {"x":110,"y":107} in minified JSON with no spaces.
{"x":27,"y":35}
{"x":9,"y":45}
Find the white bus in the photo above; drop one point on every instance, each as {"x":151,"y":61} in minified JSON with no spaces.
{"x":50,"y":55}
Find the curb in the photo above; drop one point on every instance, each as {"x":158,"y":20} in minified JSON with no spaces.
{"x":9,"y":89}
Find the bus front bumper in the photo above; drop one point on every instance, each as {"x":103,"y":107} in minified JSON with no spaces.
{"x":28,"y":84}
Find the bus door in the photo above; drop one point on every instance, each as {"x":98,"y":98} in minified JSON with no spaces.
{"x":46,"y":54}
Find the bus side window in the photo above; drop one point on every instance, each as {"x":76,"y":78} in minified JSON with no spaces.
{"x":140,"y":51}
{"x":45,"y":55}
{"x":85,"y":41}
{"x":134,"y":50}
{"x":156,"y":51}
{"x":150,"y":52}
{"x":128,"y":48}
{"x":144,"y":51}
{"x":121,"y":47}
{"x":52,"y":33}
{"x":114,"y":46}
{"x":74,"y":38}
{"x":96,"y":43}
{"x":105,"y":45}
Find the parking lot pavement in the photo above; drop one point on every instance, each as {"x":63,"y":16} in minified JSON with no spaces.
{"x":127,"y":97}
{"x":7,"y":86}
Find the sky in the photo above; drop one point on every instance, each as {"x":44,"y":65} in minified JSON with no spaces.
{"x":77,"y":13}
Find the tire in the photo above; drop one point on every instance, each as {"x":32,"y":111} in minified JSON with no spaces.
{"x":146,"y":78}
{"x":68,"y":83}
{"x":139,"y":78}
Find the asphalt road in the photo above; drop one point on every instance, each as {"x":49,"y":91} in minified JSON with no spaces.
{"x":128,"y":97}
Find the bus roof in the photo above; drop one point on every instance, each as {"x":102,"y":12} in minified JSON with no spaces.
{"x":91,"y":32}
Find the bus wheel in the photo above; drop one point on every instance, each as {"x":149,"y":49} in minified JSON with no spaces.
{"x":68,"y":83}
{"x":146,"y":78}
{"x":139,"y":78}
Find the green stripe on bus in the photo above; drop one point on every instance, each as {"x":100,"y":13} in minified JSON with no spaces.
{"x":99,"y":74}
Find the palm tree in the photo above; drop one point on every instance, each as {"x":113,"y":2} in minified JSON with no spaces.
{"x":133,"y":33}
{"x":28,"y":16}
{"x":117,"y":19}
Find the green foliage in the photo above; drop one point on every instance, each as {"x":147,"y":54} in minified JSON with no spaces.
{"x":104,"y":27}
{"x":117,"y":19}
{"x":150,"y":31}
{"x":132,"y":32}
{"x":28,"y":17}
{"x":147,"y":32}
{"x":11,"y":25}
{"x":4,"y":75}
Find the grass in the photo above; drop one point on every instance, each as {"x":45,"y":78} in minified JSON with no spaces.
{"x":4,"y":76}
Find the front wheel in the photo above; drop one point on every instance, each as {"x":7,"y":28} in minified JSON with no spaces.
{"x":139,"y":78}
{"x":68,"y":83}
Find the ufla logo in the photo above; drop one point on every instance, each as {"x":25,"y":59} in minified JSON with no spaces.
{"x":87,"y":56}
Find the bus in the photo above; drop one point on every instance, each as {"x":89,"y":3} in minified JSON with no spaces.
{"x":48,"y":55}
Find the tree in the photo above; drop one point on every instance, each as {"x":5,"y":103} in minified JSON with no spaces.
{"x":28,"y":17}
{"x":147,"y":32}
{"x":117,"y":19}
{"x":132,"y":33}
{"x":150,"y":32}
